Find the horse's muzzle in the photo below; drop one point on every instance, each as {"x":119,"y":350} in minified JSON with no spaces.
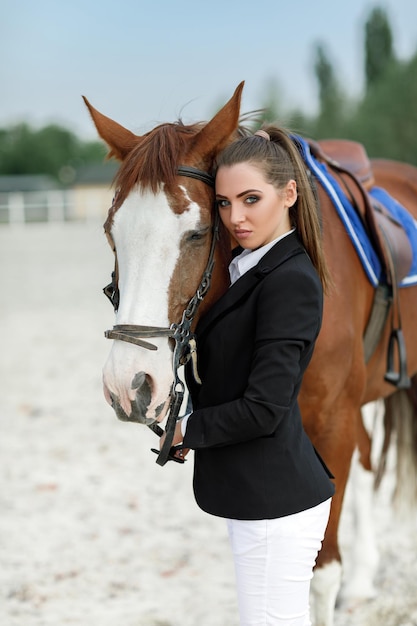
{"x":139,"y":412}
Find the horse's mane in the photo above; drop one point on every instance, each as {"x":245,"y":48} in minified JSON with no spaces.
{"x":156,"y":158}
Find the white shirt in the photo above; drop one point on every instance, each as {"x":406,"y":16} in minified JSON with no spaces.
{"x":249,"y":258}
{"x":239,"y":266}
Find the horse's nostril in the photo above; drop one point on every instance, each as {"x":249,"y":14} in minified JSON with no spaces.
{"x":138,"y":380}
{"x":143,"y":398}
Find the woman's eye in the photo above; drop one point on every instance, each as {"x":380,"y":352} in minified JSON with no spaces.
{"x":251,"y":199}
{"x":222,"y":203}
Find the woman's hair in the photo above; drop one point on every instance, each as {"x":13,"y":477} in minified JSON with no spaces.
{"x":275,"y":154}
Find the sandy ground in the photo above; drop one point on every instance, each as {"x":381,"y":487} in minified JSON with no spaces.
{"x":92,"y":531}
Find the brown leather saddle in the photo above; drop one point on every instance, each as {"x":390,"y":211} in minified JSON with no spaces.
{"x":350,"y":165}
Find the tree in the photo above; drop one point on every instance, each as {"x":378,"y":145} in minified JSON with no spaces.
{"x":379,"y":53}
{"x":330,"y":119}
{"x":49,"y":150}
{"x":270,"y":111}
{"x":386,"y":119}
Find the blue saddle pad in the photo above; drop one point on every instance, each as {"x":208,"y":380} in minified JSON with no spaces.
{"x":353,"y":222}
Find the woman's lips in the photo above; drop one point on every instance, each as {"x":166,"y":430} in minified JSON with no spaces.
{"x":242,"y":234}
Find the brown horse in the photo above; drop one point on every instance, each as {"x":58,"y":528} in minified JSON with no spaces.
{"x":160,"y":227}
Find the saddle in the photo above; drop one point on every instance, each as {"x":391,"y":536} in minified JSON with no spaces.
{"x":350,"y":164}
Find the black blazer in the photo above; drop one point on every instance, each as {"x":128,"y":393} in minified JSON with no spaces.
{"x":253,"y":459}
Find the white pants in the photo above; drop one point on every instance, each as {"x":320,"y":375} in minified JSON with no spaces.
{"x":274,"y":562}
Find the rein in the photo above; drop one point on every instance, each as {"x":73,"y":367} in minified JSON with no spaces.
{"x":184,"y":340}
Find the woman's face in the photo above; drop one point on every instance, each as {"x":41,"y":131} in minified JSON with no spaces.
{"x":253,"y":211}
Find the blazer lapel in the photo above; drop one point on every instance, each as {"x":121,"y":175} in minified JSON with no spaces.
{"x":282,"y":251}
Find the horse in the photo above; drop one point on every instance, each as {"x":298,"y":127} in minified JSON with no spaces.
{"x":171,"y":265}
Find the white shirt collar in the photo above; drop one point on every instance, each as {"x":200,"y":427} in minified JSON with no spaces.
{"x":249,"y":258}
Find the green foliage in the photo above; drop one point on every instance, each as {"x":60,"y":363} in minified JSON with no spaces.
{"x":271,"y":104}
{"x":384,"y":119}
{"x":379,"y":53}
{"x":50,"y":150}
{"x":330,"y":120}
{"x":328,"y":88}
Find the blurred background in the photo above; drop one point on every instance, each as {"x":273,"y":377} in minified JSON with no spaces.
{"x":324,"y":69}
{"x":92,"y":531}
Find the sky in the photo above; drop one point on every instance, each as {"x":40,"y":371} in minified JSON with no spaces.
{"x":143,"y":62}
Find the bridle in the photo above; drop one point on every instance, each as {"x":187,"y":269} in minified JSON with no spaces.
{"x":184,"y":340}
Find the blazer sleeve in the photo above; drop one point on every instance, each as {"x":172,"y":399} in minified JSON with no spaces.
{"x":288,"y":310}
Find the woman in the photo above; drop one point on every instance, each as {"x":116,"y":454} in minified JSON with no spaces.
{"x":254,"y":463}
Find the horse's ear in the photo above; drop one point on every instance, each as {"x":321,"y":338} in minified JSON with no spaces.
{"x":119,"y":139}
{"x":217,"y":133}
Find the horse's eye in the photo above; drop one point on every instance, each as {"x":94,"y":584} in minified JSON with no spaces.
{"x":112,"y":292}
{"x":196,"y":235}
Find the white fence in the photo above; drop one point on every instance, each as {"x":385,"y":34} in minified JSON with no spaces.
{"x":36,"y":206}
{"x":54,"y":205}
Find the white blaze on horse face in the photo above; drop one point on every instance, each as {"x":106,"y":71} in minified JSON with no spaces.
{"x":147,"y":235}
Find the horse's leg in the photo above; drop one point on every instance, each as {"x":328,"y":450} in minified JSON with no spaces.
{"x":327,"y":578}
{"x":363,"y":552}
{"x":341,"y":432}
{"x":401,"y":411}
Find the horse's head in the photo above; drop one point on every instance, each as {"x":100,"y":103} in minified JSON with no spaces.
{"x":160,"y":227}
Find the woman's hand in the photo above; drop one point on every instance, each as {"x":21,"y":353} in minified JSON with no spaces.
{"x":177,"y":439}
